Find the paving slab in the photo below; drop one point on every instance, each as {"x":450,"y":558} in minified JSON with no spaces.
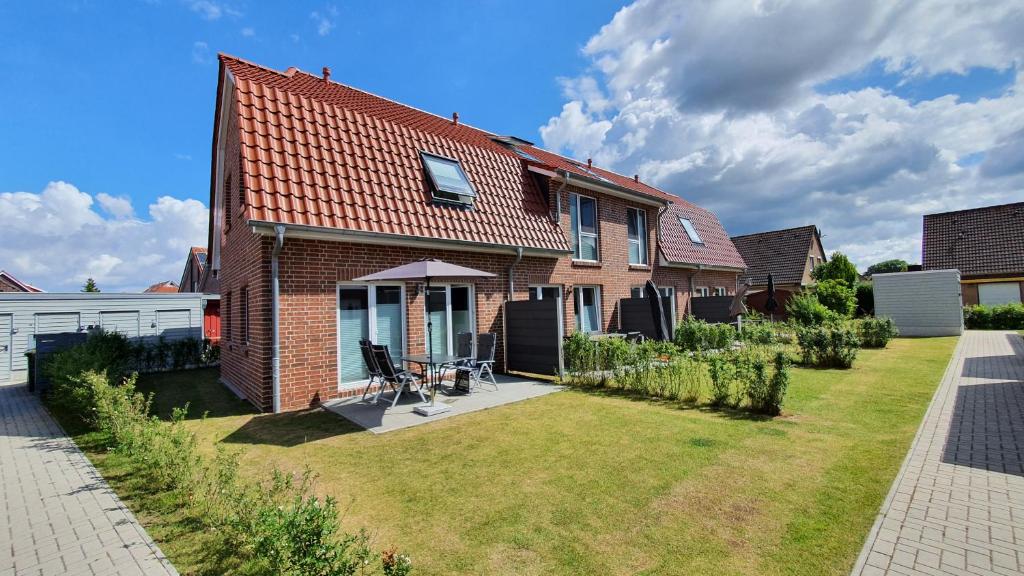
{"x":59,"y":515}
{"x":957,"y":505}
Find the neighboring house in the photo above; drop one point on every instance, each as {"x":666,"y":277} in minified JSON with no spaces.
{"x":321,"y":183}
{"x":985,"y":244}
{"x":8,"y":283}
{"x":195,"y":266}
{"x":195,"y":278}
{"x":165,"y":287}
{"x":788,"y":255}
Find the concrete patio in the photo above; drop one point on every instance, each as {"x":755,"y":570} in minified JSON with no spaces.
{"x":381,"y":417}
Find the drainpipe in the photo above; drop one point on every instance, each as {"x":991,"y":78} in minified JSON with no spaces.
{"x":276,"y":314}
{"x":558,"y":197}
{"x":511,"y":269}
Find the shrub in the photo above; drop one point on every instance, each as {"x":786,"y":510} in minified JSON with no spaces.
{"x":580,"y":353}
{"x":838,"y":267}
{"x":757,"y":332}
{"x":697,"y":335}
{"x":828,"y":346}
{"x":722,"y":374}
{"x":778,"y":385}
{"x":805,"y":309}
{"x":396,"y":564}
{"x":876,"y":332}
{"x":865,"y":299}
{"x":888,"y":266}
{"x":1004,"y":317}
{"x":837,"y":296}
{"x":757,"y":386}
{"x":614,"y":353}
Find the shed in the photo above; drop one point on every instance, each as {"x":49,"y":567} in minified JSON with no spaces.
{"x":921,"y":303}
{"x":173,"y":316}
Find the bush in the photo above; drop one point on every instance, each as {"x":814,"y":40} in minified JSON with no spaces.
{"x":838,"y":267}
{"x":696,"y":335}
{"x":828,"y":346}
{"x":613,"y":353}
{"x":778,"y":386}
{"x":805,"y":309}
{"x":1004,"y":317}
{"x":837,"y":296}
{"x":580,"y":353}
{"x":866,"y":299}
{"x":876,"y":332}
{"x":757,"y":332}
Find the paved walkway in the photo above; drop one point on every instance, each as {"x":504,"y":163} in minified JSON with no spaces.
{"x":59,"y":516}
{"x":957,"y":506}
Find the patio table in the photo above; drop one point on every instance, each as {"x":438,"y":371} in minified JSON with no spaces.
{"x":432,"y":366}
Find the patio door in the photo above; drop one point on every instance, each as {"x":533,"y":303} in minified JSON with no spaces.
{"x":451,"y":309}
{"x":373,"y":312}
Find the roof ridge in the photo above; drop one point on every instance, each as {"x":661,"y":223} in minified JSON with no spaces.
{"x":975,"y":209}
{"x":776,"y":231}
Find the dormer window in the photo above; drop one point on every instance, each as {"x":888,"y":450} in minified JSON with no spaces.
{"x":448,"y":181}
{"x":690,"y":230}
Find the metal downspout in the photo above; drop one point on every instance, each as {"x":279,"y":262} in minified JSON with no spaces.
{"x":558,"y":197}
{"x":511,"y":270}
{"x":276,"y":314}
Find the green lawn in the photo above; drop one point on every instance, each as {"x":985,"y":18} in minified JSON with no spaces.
{"x":589,"y":483}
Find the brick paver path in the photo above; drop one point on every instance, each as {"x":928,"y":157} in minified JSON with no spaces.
{"x":957,"y":506}
{"x":59,"y":516}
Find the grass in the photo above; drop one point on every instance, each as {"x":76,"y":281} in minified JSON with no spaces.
{"x":588,"y":482}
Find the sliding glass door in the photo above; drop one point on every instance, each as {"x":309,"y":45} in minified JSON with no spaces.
{"x":451,"y":309}
{"x":368,"y":312}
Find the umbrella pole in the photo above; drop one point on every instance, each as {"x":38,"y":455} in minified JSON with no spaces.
{"x":430,"y":343}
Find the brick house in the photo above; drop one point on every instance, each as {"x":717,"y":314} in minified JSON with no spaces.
{"x":789,"y":255}
{"x":985,"y":244}
{"x":8,"y":283}
{"x":314,"y":183}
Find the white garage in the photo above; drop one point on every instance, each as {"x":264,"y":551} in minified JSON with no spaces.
{"x":925,"y":303}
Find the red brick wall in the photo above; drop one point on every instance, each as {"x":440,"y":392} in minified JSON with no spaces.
{"x":6,"y":286}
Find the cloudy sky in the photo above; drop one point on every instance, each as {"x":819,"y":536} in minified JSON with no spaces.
{"x":855,"y":116}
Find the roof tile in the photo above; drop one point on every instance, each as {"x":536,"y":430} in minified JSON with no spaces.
{"x":987,"y":240}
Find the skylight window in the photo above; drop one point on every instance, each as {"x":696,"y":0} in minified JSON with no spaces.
{"x":448,"y":181}
{"x":690,"y":230}
{"x":522,"y":154}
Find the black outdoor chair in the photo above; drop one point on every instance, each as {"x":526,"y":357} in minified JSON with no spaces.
{"x":482,"y":366}
{"x":399,"y":379}
{"x":371,"y":366}
{"x":463,"y":349}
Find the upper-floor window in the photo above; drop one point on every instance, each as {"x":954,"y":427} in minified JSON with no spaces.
{"x":243,"y":313}
{"x":636,"y":227}
{"x":448,"y":182}
{"x":690,"y":230}
{"x":583,"y":220}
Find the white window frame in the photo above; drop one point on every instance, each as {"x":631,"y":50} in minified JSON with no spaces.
{"x":448,"y":314}
{"x":699,"y":240}
{"x":577,"y":296}
{"x":371,"y":327}
{"x":701,"y":292}
{"x":671,"y":293}
{"x":641,"y":240}
{"x":578,"y":250}
{"x":721,"y":291}
{"x":639,"y":287}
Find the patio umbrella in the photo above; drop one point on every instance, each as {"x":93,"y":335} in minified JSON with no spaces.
{"x":657,"y":311}
{"x":771,"y":305}
{"x":426,"y":270}
{"x":738,"y":307}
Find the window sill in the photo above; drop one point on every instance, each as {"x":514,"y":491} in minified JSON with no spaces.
{"x":586,"y":263}
{"x":646,"y":267}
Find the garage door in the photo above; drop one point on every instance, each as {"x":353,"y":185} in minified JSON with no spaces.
{"x":5,"y":347}
{"x":126,"y":323}
{"x":57,"y":323}
{"x":174,"y":324}
{"x":998,"y":293}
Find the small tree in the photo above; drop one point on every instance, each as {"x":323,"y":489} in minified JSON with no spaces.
{"x":887,"y":266}
{"x":838,"y":267}
{"x":90,"y":286}
{"x":837,"y":296}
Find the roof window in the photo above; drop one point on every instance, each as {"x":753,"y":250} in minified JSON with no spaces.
{"x":690,"y":230}
{"x":448,"y":181}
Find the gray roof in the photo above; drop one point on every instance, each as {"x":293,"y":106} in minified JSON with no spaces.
{"x":987,"y":240}
{"x":781,"y":253}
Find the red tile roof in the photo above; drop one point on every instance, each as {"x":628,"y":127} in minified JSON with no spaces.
{"x":676,"y":246}
{"x":162,"y":287}
{"x":22,"y":286}
{"x":987,"y":240}
{"x":323,"y":154}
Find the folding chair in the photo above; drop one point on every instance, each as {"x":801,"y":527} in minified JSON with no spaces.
{"x":399,"y":379}
{"x":371,"y":366}
{"x":463,"y":349}
{"x":482,"y":366}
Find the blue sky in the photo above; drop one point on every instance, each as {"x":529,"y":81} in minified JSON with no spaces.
{"x":858,"y":117}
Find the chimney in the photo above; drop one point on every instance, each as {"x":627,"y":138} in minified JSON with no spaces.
{"x":636,"y":178}
{"x":455,"y":118}
{"x":327,"y":73}
{"x":590,"y":163}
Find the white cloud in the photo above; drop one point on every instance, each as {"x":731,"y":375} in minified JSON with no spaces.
{"x":324,"y":20}
{"x":201,"y":52}
{"x":56,"y":239}
{"x":717,"y":102}
{"x":248,"y":32}
{"x":211,"y":10}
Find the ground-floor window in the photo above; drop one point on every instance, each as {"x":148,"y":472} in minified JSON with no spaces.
{"x":700,"y":291}
{"x":587,"y":305}
{"x":997,"y":293}
{"x":670,"y":291}
{"x":720,"y":291}
{"x":451,"y":311}
{"x":370,"y":312}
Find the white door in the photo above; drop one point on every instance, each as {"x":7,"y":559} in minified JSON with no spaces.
{"x":450,"y":310}
{"x":998,"y":293}
{"x":365,"y":310}
{"x":126,"y":323}
{"x":5,"y":347}
{"x":174,"y":324}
